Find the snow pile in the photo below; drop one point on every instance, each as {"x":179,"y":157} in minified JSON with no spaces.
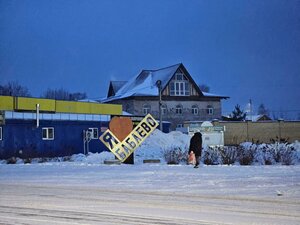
{"x":93,"y":158}
{"x":158,"y":143}
{"x":174,"y":147}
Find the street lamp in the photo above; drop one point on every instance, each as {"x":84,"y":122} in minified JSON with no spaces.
{"x":158,"y":83}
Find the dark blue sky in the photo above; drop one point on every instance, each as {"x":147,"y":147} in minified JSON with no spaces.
{"x":242,"y":49}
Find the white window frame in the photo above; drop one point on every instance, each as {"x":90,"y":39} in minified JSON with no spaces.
{"x":1,"y":134}
{"x":94,"y":131}
{"x":181,"y":87}
{"x":47,"y":138}
{"x":146,"y":109}
{"x":195,"y":110}
{"x":210,"y":110}
{"x":178,"y":109}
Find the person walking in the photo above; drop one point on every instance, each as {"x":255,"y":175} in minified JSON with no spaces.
{"x":196,"y":147}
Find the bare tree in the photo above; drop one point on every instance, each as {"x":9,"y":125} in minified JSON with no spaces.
{"x":62,"y":94}
{"x":78,"y":96}
{"x":204,"y":87}
{"x":13,"y":88}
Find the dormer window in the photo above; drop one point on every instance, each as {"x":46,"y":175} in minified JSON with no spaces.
{"x":179,"y":85}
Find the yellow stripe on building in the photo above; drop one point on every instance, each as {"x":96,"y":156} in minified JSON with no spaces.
{"x":6,"y":103}
{"x":50,"y":105}
{"x":88,"y":108}
{"x":29,"y":104}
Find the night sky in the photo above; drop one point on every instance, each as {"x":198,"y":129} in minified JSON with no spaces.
{"x":239,"y":48}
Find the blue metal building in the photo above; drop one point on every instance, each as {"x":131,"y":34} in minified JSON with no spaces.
{"x":31,"y":127}
{"x":21,"y":138}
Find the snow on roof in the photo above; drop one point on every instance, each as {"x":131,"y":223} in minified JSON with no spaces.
{"x":116,"y":85}
{"x":255,"y":118}
{"x":88,"y":100}
{"x":206,"y":94}
{"x":144,"y":84}
{"x":124,"y":113}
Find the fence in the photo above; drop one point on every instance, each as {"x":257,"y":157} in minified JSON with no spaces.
{"x":262,"y":132}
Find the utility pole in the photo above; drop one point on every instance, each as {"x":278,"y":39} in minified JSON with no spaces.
{"x":158,"y":83}
{"x":250,"y":108}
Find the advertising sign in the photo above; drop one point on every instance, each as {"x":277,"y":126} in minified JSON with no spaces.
{"x":123,"y":149}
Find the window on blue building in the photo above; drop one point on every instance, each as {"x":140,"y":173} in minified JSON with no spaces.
{"x":0,"y":133}
{"x":48,"y":133}
{"x":94,"y":132}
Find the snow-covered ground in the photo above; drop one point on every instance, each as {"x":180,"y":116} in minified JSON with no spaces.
{"x":86,"y":191}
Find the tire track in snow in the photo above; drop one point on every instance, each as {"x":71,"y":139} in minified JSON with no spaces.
{"x":21,"y":215}
{"x":36,"y":203}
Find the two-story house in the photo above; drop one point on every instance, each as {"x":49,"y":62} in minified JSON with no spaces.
{"x":181,"y":98}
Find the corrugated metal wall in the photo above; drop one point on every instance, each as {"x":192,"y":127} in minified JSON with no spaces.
{"x":22,"y":139}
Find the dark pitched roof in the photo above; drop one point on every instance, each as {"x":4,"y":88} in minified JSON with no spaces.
{"x":114,"y":86}
{"x":144,"y":84}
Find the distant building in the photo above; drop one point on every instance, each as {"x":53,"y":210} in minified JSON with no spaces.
{"x":256,"y":118}
{"x":253,"y":118}
{"x":182,"y":100}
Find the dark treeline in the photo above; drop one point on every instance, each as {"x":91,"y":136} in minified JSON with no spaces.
{"x":62,"y":94}
{"x":15,"y":89}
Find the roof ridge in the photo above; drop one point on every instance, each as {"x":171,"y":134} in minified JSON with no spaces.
{"x":177,"y":64}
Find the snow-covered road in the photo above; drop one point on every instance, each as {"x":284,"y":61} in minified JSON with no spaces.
{"x":82,"y":193}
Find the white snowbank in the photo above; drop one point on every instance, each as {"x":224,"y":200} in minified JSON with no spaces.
{"x":93,"y":157}
{"x":158,"y":143}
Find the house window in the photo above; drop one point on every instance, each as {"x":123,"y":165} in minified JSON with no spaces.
{"x":146,"y":109}
{"x":179,"y":125}
{"x":48,"y":133}
{"x":179,"y":109}
{"x":94,"y":132}
{"x":0,"y":133}
{"x":210,"y":110}
{"x":164,"y":109}
{"x":179,"y":76}
{"x":179,"y":86}
{"x":127,"y":108}
{"x":195,"y":110}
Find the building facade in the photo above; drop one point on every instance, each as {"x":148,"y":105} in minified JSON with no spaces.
{"x":33,"y":127}
{"x":181,"y":98}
